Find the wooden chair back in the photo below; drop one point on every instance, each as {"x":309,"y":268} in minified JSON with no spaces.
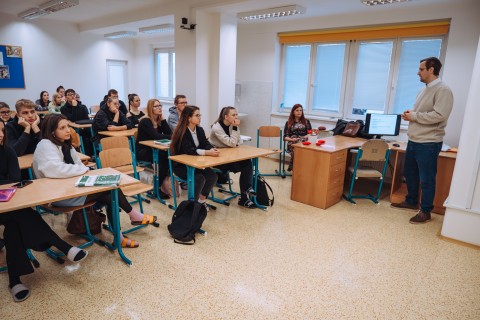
{"x":269,"y":131}
{"x":115,"y":157}
{"x":94,"y":108}
{"x":114,"y":142}
{"x":374,"y":150}
{"x":75,"y":138}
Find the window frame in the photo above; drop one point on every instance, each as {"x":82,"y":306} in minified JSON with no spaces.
{"x":171,"y":73}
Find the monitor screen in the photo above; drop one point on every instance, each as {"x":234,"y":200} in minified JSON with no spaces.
{"x":383,"y":124}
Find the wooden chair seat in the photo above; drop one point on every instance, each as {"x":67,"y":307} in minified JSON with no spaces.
{"x":50,"y":207}
{"x":135,"y":189}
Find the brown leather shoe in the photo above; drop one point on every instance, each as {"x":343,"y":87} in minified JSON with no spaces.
{"x":421,"y":217}
{"x":404,"y":206}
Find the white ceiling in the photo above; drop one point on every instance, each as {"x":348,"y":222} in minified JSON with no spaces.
{"x":102,"y":16}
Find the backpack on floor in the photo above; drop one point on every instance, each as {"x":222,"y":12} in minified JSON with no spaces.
{"x":186,"y":221}
{"x":263,"y":196}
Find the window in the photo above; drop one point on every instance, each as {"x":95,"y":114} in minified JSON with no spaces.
{"x":117,"y":77}
{"x":332,"y":76}
{"x":165,"y":73}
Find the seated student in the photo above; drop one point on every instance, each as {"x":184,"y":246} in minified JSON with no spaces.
{"x":25,"y":229}
{"x":189,"y":138}
{"x":24,"y":131}
{"x":154,"y":127}
{"x":56,"y":104}
{"x":226,"y":134}
{"x":295,"y":128}
{"x":5,"y":113}
{"x":61,"y":92}
{"x":134,"y":114}
{"x":110,"y":118}
{"x":179,"y":102}
{"x":112,"y":93}
{"x":55,"y":158}
{"x":75,"y":111}
{"x":43,"y":102}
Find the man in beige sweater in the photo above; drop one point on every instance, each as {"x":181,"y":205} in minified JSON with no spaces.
{"x":426,"y":128}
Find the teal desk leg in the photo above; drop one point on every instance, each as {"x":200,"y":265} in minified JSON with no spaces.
{"x":116,"y":227}
{"x":156,"y":180}
{"x":30,"y":173}
{"x":82,"y":148}
{"x":191,"y":190}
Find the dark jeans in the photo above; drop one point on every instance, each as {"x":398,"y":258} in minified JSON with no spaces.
{"x":204,"y":180}
{"x":246,"y":173}
{"x":421,"y":170}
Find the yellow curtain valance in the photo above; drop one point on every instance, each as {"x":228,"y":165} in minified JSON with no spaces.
{"x":368,"y":33}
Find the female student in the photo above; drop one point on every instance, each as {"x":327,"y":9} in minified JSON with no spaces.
{"x":5,"y":113}
{"x":226,"y":134}
{"x":55,"y":158}
{"x":189,"y":138}
{"x":25,"y":229}
{"x":110,"y":118}
{"x":56,"y":104}
{"x":43,"y":102}
{"x":154,"y":127}
{"x":295,"y":128}
{"x":134,"y":114}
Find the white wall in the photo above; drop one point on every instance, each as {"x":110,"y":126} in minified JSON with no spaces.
{"x":55,"y":53}
{"x":258,"y":51}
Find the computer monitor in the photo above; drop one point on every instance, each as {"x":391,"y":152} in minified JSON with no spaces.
{"x":382,"y":124}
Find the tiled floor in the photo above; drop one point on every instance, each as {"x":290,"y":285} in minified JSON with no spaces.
{"x":293,"y":262}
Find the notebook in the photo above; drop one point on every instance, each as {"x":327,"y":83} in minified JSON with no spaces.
{"x":98,"y":180}
{"x":7,"y":194}
{"x":163,"y":142}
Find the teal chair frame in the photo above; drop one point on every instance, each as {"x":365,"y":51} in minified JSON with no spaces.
{"x":375,"y":150}
{"x":273,"y":132}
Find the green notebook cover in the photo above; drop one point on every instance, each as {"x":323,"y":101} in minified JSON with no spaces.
{"x":163,"y":142}
{"x":98,"y":180}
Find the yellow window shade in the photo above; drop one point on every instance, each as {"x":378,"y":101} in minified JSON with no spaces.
{"x":368,"y":33}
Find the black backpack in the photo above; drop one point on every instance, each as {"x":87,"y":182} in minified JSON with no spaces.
{"x":263,"y":197}
{"x":186,"y":221}
{"x":339,"y":127}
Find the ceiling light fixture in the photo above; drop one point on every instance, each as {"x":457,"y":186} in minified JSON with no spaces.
{"x":161,"y":28}
{"x":120,"y":34}
{"x":31,"y":14}
{"x":376,"y":2}
{"x":57,"y":5}
{"x":271,"y":13}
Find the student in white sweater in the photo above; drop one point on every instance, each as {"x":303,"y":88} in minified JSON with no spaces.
{"x":55,"y":157}
{"x":426,"y":128}
{"x":226,"y":134}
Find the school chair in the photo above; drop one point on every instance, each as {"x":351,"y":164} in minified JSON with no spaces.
{"x":274,"y":132}
{"x":376,"y":151}
{"x":231,"y":194}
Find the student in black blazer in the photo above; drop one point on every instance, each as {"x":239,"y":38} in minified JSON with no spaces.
{"x":189,"y":138}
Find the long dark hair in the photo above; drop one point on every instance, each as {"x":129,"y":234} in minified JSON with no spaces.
{"x":291,"y":117}
{"x":48,"y":127}
{"x":225,"y":111}
{"x":181,"y":127}
{"x":42,"y":103}
{"x":131,"y":96}
{"x":2,"y":127}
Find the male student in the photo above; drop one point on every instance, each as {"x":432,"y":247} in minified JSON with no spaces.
{"x":75,"y":111}
{"x":24,"y":131}
{"x":109,"y":118}
{"x":113,"y":94}
{"x":179,"y":102}
{"x":426,"y":128}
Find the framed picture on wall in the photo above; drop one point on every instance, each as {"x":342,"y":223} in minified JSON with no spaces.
{"x":11,"y":67}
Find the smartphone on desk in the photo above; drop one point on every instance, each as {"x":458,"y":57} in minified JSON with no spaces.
{"x":22,"y":183}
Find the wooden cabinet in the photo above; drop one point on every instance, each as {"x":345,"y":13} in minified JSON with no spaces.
{"x":446,"y":163}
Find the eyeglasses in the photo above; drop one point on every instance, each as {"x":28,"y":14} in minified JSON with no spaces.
{"x":157,"y":106}
{"x":71,"y":94}
{"x":5,"y":112}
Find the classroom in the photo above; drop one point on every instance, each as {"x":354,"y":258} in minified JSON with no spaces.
{"x":294,"y":260}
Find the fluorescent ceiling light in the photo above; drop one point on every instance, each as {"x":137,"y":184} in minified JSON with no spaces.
{"x":57,"y":5}
{"x":271,"y":13}
{"x":376,"y":2}
{"x":120,"y":34}
{"x":162,"y":28}
{"x":31,"y":14}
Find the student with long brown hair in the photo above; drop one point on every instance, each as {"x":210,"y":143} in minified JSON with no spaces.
{"x":189,"y":138}
{"x":134,"y":113}
{"x":56,"y":158}
{"x":154,"y":127}
{"x":296,"y":127}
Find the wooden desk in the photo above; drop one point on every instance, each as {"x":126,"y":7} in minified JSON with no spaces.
{"x":46,"y":190}
{"x":130,"y":134}
{"x":445,"y":165}
{"x":227,"y":155}
{"x":319,"y":173}
{"x":77,"y":128}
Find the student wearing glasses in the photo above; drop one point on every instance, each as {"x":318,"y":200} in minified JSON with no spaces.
{"x":154,"y":127}
{"x":226,"y":134}
{"x":189,"y":138}
{"x":179,"y":102}
{"x":5,"y":113}
{"x":25,"y":229}
{"x":134,"y":113}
